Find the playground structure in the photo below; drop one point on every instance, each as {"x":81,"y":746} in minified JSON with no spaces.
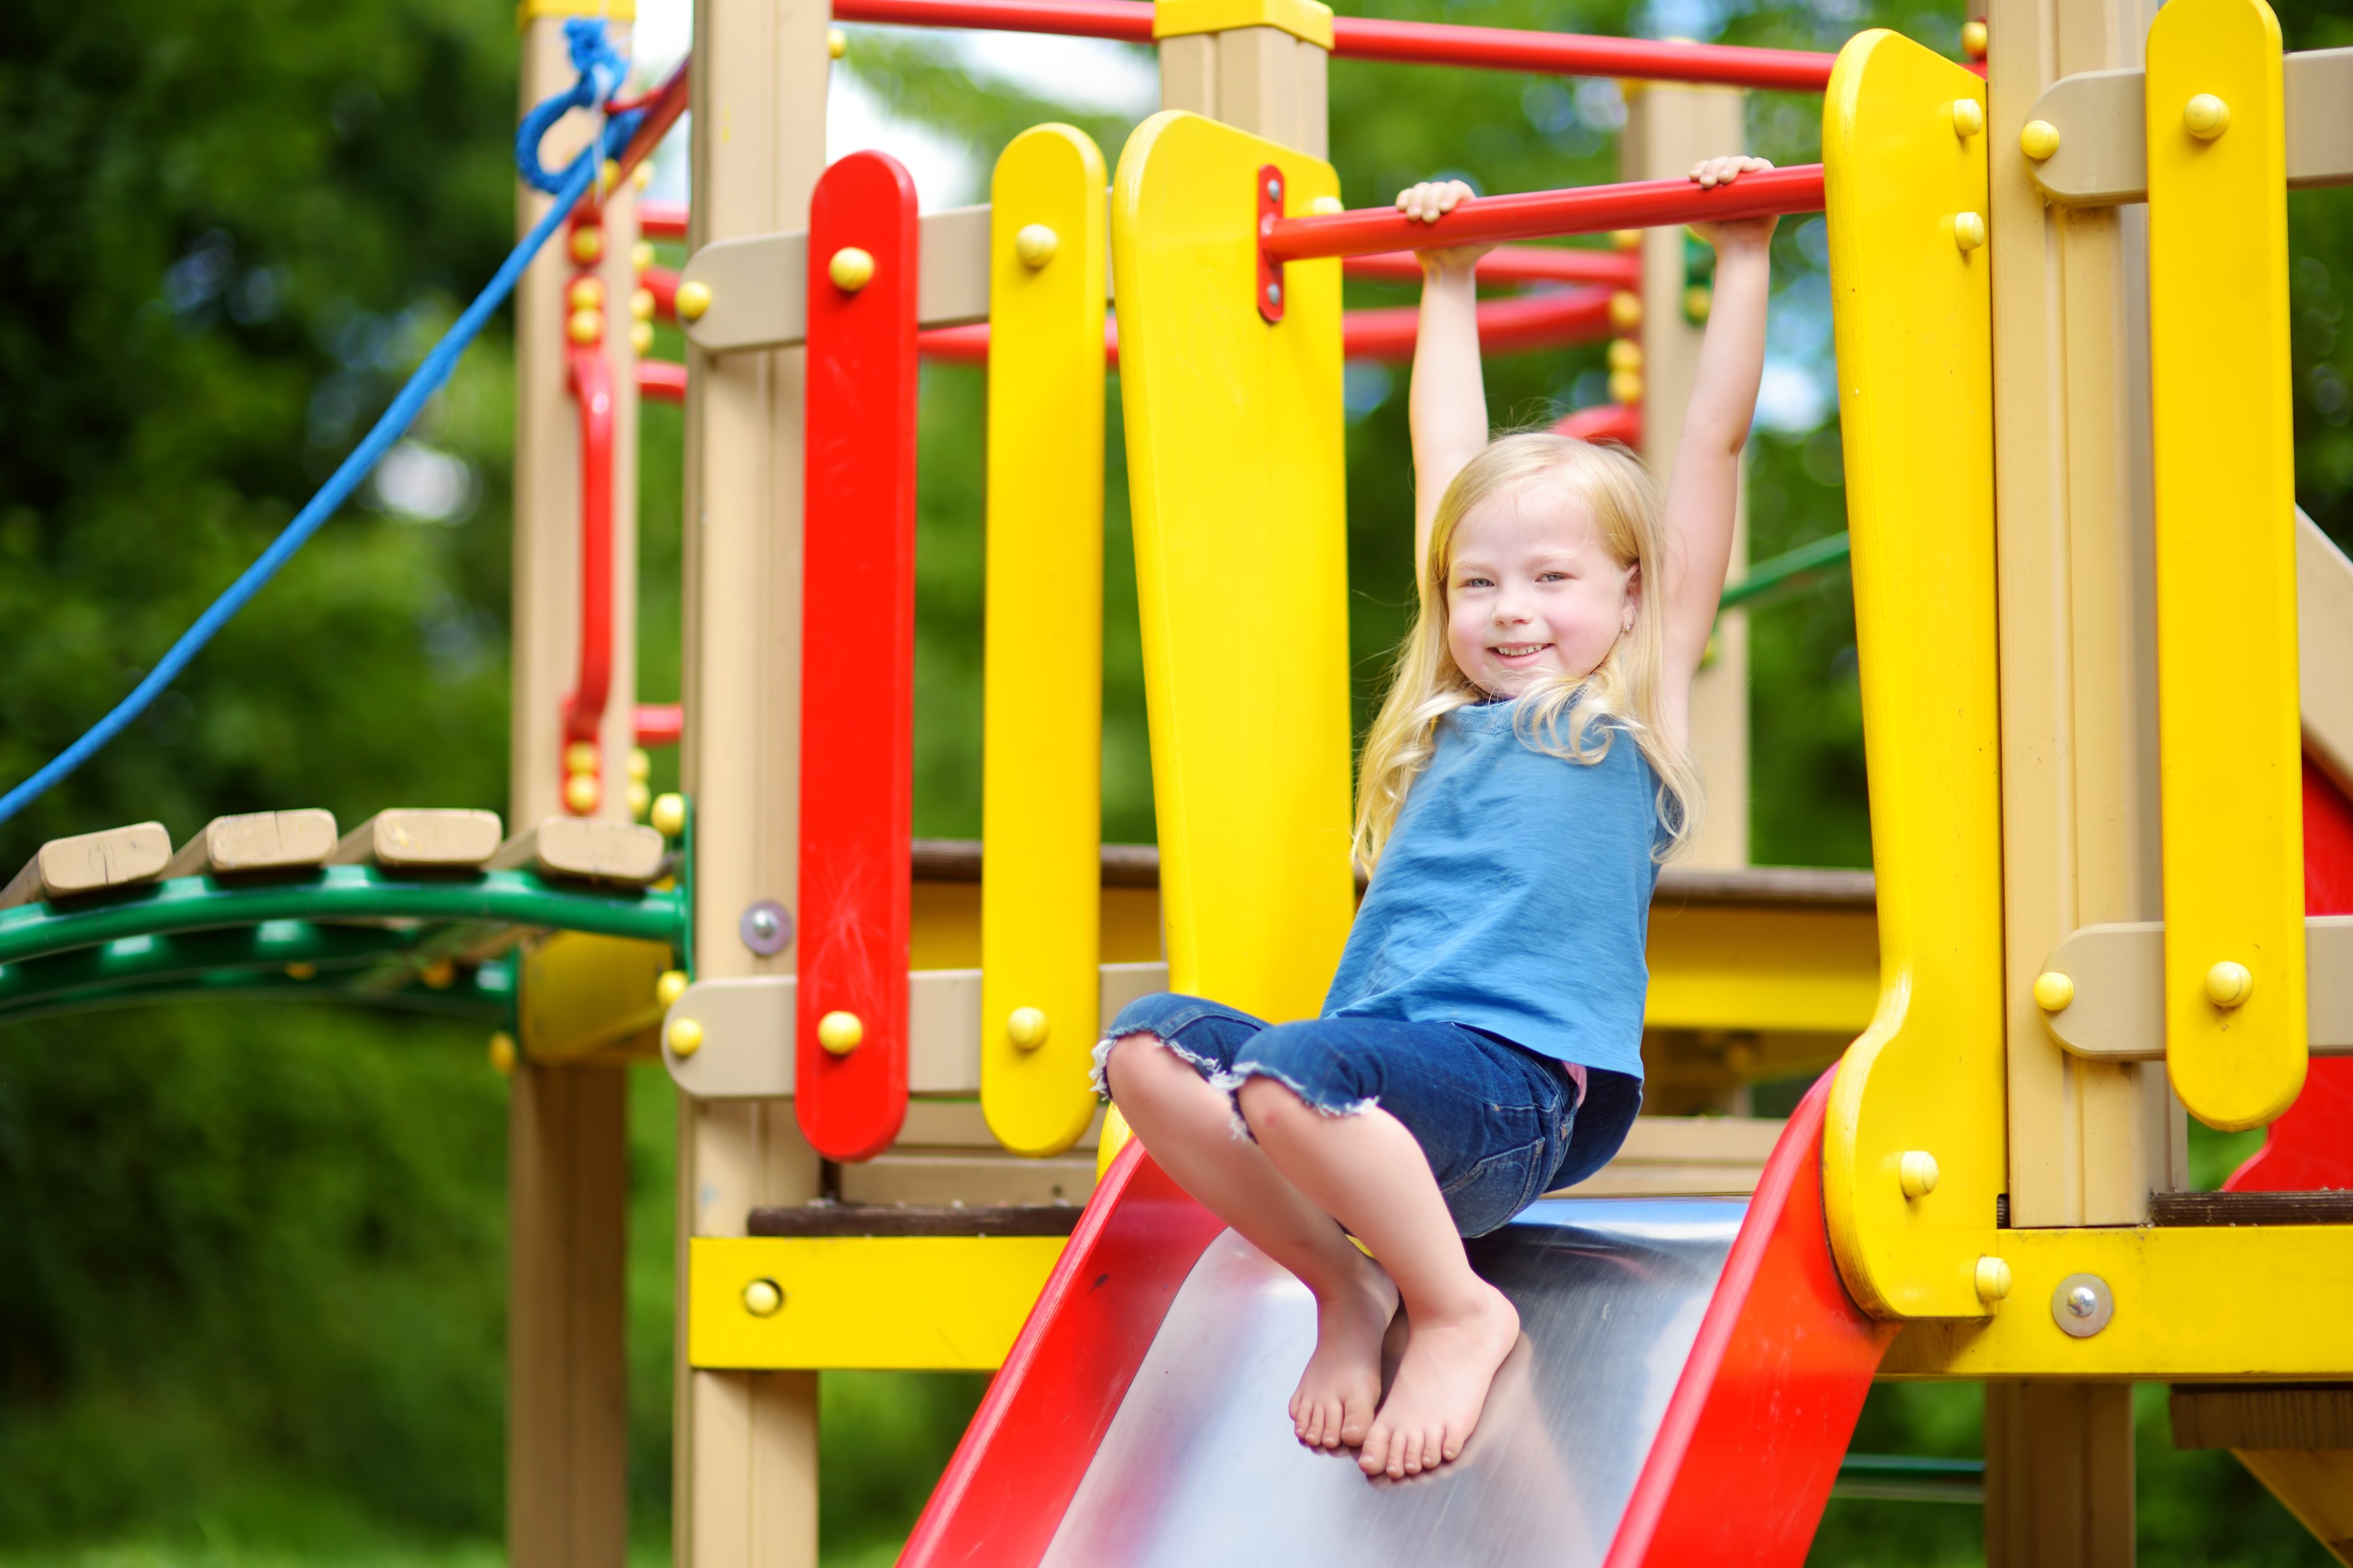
{"x":888,"y":1153}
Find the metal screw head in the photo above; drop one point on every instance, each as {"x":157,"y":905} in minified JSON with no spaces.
{"x":1275,"y":189}
{"x":766,"y":927}
{"x":2082,"y":1305}
{"x":1274,"y":293}
{"x":2083,"y":1301}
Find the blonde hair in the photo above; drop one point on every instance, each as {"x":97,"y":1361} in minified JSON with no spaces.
{"x":1622,"y":694}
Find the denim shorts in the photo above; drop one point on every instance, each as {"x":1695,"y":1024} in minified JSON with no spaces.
{"x":1501,"y":1125}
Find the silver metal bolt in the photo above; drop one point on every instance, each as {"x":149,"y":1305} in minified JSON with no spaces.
{"x":2082,"y":1305}
{"x":766,"y":927}
{"x":1274,"y":293}
{"x":1275,"y":189}
{"x":2082,"y":1300}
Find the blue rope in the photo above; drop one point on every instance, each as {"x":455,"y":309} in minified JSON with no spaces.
{"x":430,"y":378}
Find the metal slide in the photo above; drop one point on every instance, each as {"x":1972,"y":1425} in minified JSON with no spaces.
{"x":1691,"y":1374}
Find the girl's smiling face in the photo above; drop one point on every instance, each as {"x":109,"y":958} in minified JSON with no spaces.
{"x":1531,"y":592}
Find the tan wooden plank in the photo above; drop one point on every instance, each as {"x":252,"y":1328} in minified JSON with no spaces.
{"x":90,"y":863}
{"x":427,"y":838}
{"x":593,"y":848}
{"x":258,"y":841}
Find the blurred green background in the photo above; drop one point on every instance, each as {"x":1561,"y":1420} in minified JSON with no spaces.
{"x":251,"y":1258}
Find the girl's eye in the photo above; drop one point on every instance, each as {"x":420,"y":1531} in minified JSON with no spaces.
{"x":1553,"y":577}
{"x":1475,"y":582}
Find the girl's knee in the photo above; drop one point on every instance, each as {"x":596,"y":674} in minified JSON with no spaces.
{"x":1133,"y":1059}
{"x":1268,"y":1102}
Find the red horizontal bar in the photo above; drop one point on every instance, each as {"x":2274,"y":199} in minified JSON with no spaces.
{"x":661,"y":723}
{"x":661,"y":220}
{"x":1513,"y":263}
{"x":1542,"y":215}
{"x":661,"y":282}
{"x":1127,"y":20}
{"x":662,"y":107}
{"x":1606,"y":422}
{"x":661,"y":380}
{"x":1575,"y":54}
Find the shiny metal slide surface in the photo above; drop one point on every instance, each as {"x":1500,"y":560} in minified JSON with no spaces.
{"x":1199,"y":1466}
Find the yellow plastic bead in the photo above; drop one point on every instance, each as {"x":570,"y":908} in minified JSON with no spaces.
{"x":586,"y":327}
{"x":581,"y":757}
{"x":1917,"y":1173}
{"x":2206,"y":116}
{"x":684,"y":1036}
{"x":587,"y":246}
{"x":586,"y":293}
{"x":641,"y":176}
{"x":2229,"y":985}
{"x":639,"y":798}
{"x":641,"y":304}
{"x":1992,"y":1279}
{"x":1626,"y":386}
{"x":2037,"y":139}
{"x":2053,"y":992}
{"x":641,"y":255}
{"x":608,"y":177}
{"x":1035,"y":245}
{"x":668,"y":815}
{"x":1968,"y":230}
{"x":1027,"y":1028}
{"x":581,"y":793}
{"x":1968,"y":118}
{"x":840,"y":1033}
{"x":1324,"y":206}
{"x":764,"y":1298}
{"x":836,"y":43}
{"x":1698,"y":301}
{"x":693,"y":299}
{"x":1625,"y":353}
{"x":1625,"y":309}
{"x":301,"y":972}
{"x":641,"y":765}
{"x":502,"y":1052}
{"x":851,"y":269}
{"x":670,"y":986}
{"x":1626,"y":238}
{"x":641,"y":338}
{"x":1973,"y":39}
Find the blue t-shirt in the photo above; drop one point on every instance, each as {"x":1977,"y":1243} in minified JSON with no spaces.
{"x":1513,"y":896}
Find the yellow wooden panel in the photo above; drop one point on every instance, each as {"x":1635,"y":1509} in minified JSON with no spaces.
{"x":1913,"y":316}
{"x":1041,"y":763}
{"x":581,"y":994}
{"x":1235,"y":467}
{"x":913,"y":1303}
{"x":1754,"y":967}
{"x":2228,"y":744}
{"x":2240,"y":1302}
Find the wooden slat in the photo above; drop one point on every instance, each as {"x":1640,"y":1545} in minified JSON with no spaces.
{"x":587,"y":847}
{"x":880,"y":1219}
{"x":90,"y":863}
{"x":425,"y":838}
{"x":2262,"y":1416}
{"x":258,"y":841}
{"x":2251,"y":1208}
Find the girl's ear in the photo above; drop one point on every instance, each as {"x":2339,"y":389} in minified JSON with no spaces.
{"x":1633,"y":597}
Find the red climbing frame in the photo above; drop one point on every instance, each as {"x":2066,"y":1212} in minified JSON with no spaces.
{"x":858,"y":659}
{"x":591,"y":388}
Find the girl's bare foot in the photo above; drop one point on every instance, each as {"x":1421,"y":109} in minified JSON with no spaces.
{"x":1441,"y":1385}
{"x":1337,"y":1393}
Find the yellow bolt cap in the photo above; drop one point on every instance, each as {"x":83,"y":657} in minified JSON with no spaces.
{"x":670,"y":986}
{"x":2229,"y":985}
{"x":1324,"y":206}
{"x":502,"y":1052}
{"x":1973,"y":39}
{"x":1035,"y":245}
{"x":1626,"y":238}
{"x":641,"y":304}
{"x":1968,"y":230}
{"x":1968,"y":118}
{"x":581,"y":793}
{"x":693,"y":299}
{"x":1625,"y":309}
{"x":609,"y":176}
{"x":639,"y":797}
{"x":1025,"y":1027}
{"x":641,"y":338}
{"x":586,"y":327}
{"x":2053,"y":992}
{"x":587,"y":246}
{"x":684,"y":1036}
{"x":1698,"y":301}
{"x":836,"y":43}
{"x":1992,"y":1279}
{"x":840,"y":1033}
{"x":1917,"y":1173}
{"x":668,"y":815}
{"x":2206,"y":116}
{"x":641,"y":766}
{"x":851,"y":269}
{"x":1625,"y":353}
{"x":2037,"y":139}
{"x":641,"y":255}
{"x":586,"y":293}
{"x":764,"y":1298}
{"x":580,"y":757}
{"x":642,"y":175}
{"x":1626,"y":386}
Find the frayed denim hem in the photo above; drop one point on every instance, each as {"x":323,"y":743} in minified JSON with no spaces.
{"x":1229,"y":1079}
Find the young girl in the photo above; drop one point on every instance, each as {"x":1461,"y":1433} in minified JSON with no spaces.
{"x":1482,"y":1043}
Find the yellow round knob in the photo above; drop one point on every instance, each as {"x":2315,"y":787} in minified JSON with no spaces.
{"x":2037,"y":139}
{"x":587,"y":246}
{"x":581,"y":793}
{"x":586,"y":293}
{"x":1035,"y":244}
{"x":609,"y":176}
{"x":2228,"y":984}
{"x":2206,"y":116}
{"x":641,"y":764}
{"x":1973,"y":39}
{"x":670,"y":986}
{"x":1968,"y":118}
{"x":764,"y":1297}
{"x":581,"y":757}
{"x":684,"y":1036}
{"x":1025,"y":1027}
{"x":1625,"y":353}
{"x":1968,"y":230}
{"x":641,"y":338}
{"x":586,"y":327}
{"x":1626,"y":238}
{"x":502,"y":1052}
{"x":1626,"y":386}
{"x":1917,"y":1173}
{"x":850,"y":270}
{"x":693,"y":298}
{"x":641,"y":304}
{"x":1698,"y":301}
{"x":2053,"y":992}
{"x":1115,"y":1135}
{"x":668,"y":815}
{"x":1625,"y":309}
{"x":836,"y":43}
{"x":639,"y":797}
{"x":1992,"y":1279}
{"x":1324,"y":206}
{"x":642,"y":175}
{"x":840,"y":1033}
{"x":641,"y":255}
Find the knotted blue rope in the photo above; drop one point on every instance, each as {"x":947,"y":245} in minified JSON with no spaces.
{"x":600,"y":75}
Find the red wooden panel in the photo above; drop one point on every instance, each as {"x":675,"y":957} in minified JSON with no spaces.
{"x":1754,"y":1432}
{"x":857,"y":659}
{"x":2308,"y":1150}
{"x":1004,"y":1493}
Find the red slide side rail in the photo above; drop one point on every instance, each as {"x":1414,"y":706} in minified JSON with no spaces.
{"x":1754,"y":1432}
{"x":1543,"y":214}
{"x":591,"y":382}
{"x":1005,"y":1492}
{"x":858,"y":659}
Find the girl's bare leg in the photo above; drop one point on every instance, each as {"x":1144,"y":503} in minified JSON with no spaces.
{"x":1367,"y":1172}
{"x":1188,"y":1126}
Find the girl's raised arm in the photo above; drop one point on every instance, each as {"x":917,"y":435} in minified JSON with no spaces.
{"x":1448,"y":406}
{"x":1704,"y":485}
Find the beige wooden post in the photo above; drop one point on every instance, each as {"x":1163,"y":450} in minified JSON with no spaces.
{"x":746,"y":1443}
{"x":1668,"y":129}
{"x":2087,"y":1141}
{"x":568,"y":1426}
{"x":1259,"y":80}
